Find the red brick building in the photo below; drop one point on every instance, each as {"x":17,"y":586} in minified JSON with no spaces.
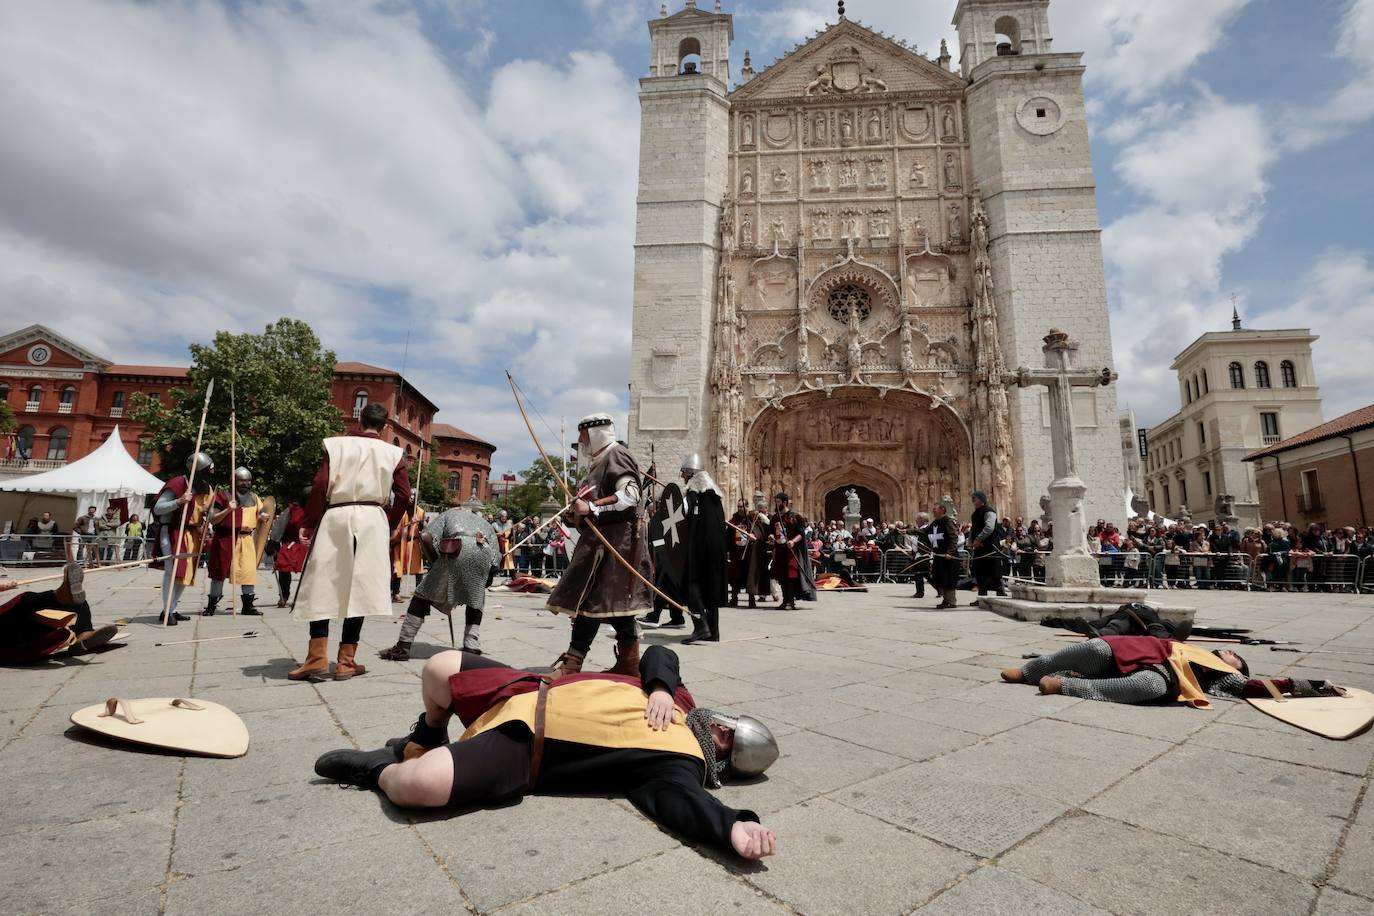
{"x":67,"y":400}
{"x":464,"y":462}
{"x":1325,"y":474}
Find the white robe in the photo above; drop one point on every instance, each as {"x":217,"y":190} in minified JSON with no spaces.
{"x":348,"y":570}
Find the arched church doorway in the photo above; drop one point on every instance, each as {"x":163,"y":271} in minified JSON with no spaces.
{"x":837,"y":504}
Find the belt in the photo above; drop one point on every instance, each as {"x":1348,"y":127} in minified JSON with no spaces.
{"x":540,"y":714}
{"x":356,"y":502}
{"x":247,"y":530}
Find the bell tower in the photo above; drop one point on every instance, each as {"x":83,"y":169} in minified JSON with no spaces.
{"x":683,"y":147}
{"x":1032,"y":163}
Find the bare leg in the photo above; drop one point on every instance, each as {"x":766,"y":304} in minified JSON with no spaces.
{"x":426,"y":781}
{"x":435,"y":691}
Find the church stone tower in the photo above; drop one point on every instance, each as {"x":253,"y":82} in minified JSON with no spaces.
{"x":684,"y":134}
{"x":1029,"y":137}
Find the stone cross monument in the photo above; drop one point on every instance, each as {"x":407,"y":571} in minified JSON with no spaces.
{"x":1070,"y":565}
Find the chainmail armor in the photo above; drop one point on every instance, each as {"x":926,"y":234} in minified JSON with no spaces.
{"x":699,"y":721}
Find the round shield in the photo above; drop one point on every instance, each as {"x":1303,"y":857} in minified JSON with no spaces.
{"x":668,"y":533}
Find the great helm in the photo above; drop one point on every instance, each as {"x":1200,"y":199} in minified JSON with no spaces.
{"x":200,"y":463}
{"x":754,"y":748}
{"x":692,"y":464}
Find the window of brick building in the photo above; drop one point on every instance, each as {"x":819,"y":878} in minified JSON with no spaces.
{"x":57,"y":444}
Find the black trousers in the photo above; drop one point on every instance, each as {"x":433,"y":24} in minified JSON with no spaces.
{"x":584,"y":631}
{"x":987,"y":570}
{"x":284,"y":585}
{"x":420,"y":607}
{"x":352,"y":630}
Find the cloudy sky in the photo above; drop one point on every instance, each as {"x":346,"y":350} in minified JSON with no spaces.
{"x":462,"y":172}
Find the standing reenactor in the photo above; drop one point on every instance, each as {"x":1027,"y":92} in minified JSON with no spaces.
{"x":358,"y":497}
{"x":233,"y":549}
{"x":985,"y":547}
{"x":706,"y":584}
{"x":943,"y":534}
{"x":919,"y":541}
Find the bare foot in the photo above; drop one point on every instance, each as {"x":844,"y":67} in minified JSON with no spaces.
{"x":1051,"y":684}
{"x":1013,"y":676}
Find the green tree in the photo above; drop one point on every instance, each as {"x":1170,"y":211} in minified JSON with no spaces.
{"x":278,"y":383}
{"x":8,"y":424}
{"x":431,"y":481}
{"x":537,"y":487}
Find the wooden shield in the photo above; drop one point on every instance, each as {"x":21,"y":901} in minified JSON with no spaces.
{"x":668,"y":533}
{"x":1337,"y":718}
{"x":192,"y":726}
{"x":264,"y":528}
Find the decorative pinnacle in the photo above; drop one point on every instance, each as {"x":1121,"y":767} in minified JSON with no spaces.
{"x":841,"y":8}
{"x":1235,"y":314}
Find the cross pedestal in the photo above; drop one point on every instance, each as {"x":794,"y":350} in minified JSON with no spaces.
{"x":1072,"y":585}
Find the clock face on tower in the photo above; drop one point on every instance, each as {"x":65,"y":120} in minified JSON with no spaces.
{"x":39,"y":354}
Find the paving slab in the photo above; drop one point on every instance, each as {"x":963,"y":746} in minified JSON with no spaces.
{"x":993,"y":891}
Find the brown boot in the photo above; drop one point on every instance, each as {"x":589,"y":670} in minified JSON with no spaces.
{"x":316,"y":664}
{"x":346,"y":667}
{"x":566,"y":664}
{"x":626,"y":659}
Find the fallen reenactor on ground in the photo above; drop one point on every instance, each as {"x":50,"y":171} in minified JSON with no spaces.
{"x":644,"y":738}
{"x":1133,"y":619}
{"x":28,"y":637}
{"x":1147,"y":669}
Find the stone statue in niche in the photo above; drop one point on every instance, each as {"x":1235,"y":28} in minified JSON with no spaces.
{"x":875,"y":126}
{"x":849,"y":173}
{"x":820,"y":225}
{"x":820,"y":174}
{"x":919,"y":235}
{"x":880,"y":225}
{"x":876,"y":173}
{"x":918,"y":174}
{"x":851,"y":503}
{"x":951,"y":171}
{"x":849,"y":225}
{"x":746,"y":183}
{"x":956,"y":223}
{"x":818,"y":129}
{"x":779,"y":230}
{"x":782,"y":181}
{"x":746,"y":229}
{"x":846,"y":129}
{"x":854,"y":351}
{"x":747,"y":132}
{"x":908,"y":356}
{"x":727,"y":220}
{"x":950,"y":129}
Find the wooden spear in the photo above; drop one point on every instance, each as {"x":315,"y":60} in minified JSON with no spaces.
{"x":191,"y":495}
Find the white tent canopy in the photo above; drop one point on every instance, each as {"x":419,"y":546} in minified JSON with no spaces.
{"x":109,"y":472}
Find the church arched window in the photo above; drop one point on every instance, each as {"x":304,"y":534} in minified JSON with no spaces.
{"x":1262,"y":375}
{"x":1288,"y":375}
{"x":689,"y":56}
{"x":1237,"y":375}
{"x":849,"y":298}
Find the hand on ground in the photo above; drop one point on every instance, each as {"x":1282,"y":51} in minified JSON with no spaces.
{"x":752,"y":841}
{"x":659,"y":710}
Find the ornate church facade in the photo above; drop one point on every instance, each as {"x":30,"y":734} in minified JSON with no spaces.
{"x":841,"y":260}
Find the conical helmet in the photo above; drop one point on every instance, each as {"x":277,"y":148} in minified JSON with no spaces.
{"x":200,"y":463}
{"x":754,"y":748}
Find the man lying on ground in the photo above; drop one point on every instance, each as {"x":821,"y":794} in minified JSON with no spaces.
{"x":643,"y":737}
{"x":26,"y":638}
{"x":1147,"y":669}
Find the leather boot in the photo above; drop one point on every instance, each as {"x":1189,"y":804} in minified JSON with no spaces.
{"x":565,"y":664}
{"x":753,"y":604}
{"x":397,"y":653}
{"x":422,"y":738}
{"x":345,"y":667}
{"x":734,"y":597}
{"x":316,"y":665}
{"x":210,"y":606}
{"x":948,"y":599}
{"x":410,"y":628}
{"x":701,"y":630}
{"x":713,"y":620}
{"x":626,"y":659}
{"x":248,"y":608}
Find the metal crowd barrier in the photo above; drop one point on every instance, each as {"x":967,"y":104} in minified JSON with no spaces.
{"x":23,"y":550}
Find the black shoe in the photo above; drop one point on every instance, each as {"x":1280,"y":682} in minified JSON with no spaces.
{"x":355,"y":768}
{"x":650,"y":621}
{"x":701,"y":630}
{"x":177,"y":615}
{"x":674,"y":625}
{"x":171,"y":621}
{"x":208,"y":612}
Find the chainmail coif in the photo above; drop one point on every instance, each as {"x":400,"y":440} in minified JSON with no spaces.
{"x":699,"y":721}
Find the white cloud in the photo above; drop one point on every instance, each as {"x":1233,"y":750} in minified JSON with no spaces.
{"x":1201,"y":183}
{"x":1353,"y":103}
{"x":1337,"y":300}
{"x":171,"y":169}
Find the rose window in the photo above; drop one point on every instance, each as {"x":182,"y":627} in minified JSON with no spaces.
{"x":850,"y":299}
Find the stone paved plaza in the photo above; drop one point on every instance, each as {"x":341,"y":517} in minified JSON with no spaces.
{"x":910,"y":779}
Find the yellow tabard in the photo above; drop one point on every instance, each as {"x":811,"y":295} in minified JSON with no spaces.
{"x":192,"y":541}
{"x":1182,"y":659}
{"x":594,"y":712}
{"x":243,"y":568}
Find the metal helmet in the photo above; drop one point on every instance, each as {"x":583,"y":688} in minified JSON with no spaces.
{"x":243,"y":475}
{"x":200,"y":463}
{"x":692,"y":464}
{"x":754,"y":748}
